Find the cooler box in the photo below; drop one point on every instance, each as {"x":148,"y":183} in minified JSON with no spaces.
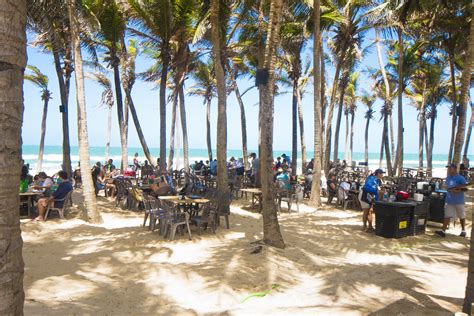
{"x":436,"y":210}
{"x":392,"y":219}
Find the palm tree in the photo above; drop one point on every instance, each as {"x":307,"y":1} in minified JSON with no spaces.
{"x":129,"y":55}
{"x":217,"y":41}
{"x":348,"y":36}
{"x":12,"y":61}
{"x":271,"y":228}
{"x":91,"y":212}
{"x":157,"y":26}
{"x":469,"y":131}
{"x":205,"y":86}
{"x":107,"y":100}
{"x":368,"y":100}
{"x":49,"y":19}
{"x":108,"y":33}
{"x":318,"y":138}
{"x":350,"y":104}
{"x":41,"y":81}
{"x":464,"y":96}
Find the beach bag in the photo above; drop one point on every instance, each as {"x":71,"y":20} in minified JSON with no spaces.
{"x":367,"y":197}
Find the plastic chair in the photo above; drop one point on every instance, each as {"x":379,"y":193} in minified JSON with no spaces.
{"x":60,"y":210}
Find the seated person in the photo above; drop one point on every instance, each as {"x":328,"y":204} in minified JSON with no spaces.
{"x":239,"y":167}
{"x":285,"y":178}
{"x":163,"y":187}
{"x":310,"y":166}
{"x":61,"y":192}
{"x":332,"y":187}
{"x":110,"y":167}
{"x":44,"y":182}
{"x":213,"y":167}
{"x":147,"y":169}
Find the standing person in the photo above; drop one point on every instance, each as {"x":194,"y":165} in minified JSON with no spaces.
{"x":288,"y":159}
{"x":255,"y":170}
{"x":454,"y":200}
{"x":110,"y":167}
{"x":368,"y":196}
{"x":136,"y":162}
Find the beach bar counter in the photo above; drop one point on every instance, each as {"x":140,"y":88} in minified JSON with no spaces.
{"x":400,"y":219}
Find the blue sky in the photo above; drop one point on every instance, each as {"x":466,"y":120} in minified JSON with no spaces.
{"x":147,"y":103}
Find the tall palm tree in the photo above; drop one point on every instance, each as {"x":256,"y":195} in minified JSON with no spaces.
{"x":318,"y":138}
{"x":217,"y":45}
{"x":109,"y":32}
{"x":464,"y":97}
{"x":92,"y":214}
{"x":156,"y":20}
{"x":129,"y":55}
{"x":205,"y":87}
{"x":49,"y":19}
{"x":368,"y":100}
{"x":12,"y":63}
{"x":271,"y":228}
{"x":469,"y":131}
{"x":107,"y":100}
{"x":41,"y":81}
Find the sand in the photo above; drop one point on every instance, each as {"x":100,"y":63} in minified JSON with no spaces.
{"x":328,"y":267}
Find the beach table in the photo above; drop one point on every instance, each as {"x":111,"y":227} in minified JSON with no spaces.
{"x":29,"y":197}
{"x":256,"y":196}
{"x":188,"y":204}
{"x":143,"y":187}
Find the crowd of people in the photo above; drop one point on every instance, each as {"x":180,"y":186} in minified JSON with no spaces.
{"x":55,"y":188}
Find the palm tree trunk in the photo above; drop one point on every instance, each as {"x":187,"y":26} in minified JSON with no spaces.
{"x":421,"y":128}
{"x":382,"y":140}
{"x":469,"y":132}
{"x":366,"y":152}
{"x":91,"y":212}
{"x":64,"y":93}
{"x":39,"y":165}
{"x":323,"y":98}
{"x":271,"y":228}
{"x":327,"y":151}
{"x":346,"y":147}
{"x":294,"y":128}
{"x":399,"y":159}
{"x":243,"y":125}
{"x":173,"y":129}
{"x":386,"y":145}
{"x":136,"y":122}
{"x":222,"y":177}
{"x":392,"y":138}
{"x":318,"y":101}
{"x":338,"y":121}
{"x":301,"y":123}
{"x":453,"y":107}
{"x":107,"y":135}
{"x":120,"y":117}
{"x":163,"y":81}
{"x":208,"y":129}
{"x":182,"y":114}
{"x":12,"y":65}
{"x":351,"y":147}
{"x":429,"y":155}
{"x":465,"y":85}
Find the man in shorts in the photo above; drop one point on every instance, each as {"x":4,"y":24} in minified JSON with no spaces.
{"x":454,"y":200}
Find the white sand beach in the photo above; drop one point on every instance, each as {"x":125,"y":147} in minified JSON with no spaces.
{"x":328,"y":267}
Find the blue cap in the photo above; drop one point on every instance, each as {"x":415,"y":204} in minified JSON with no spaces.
{"x":379,"y":171}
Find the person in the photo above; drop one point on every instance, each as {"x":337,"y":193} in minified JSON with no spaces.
{"x":239,"y":167}
{"x":368,"y":196}
{"x":288,"y":159}
{"x":454,"y":200}
{"x":255,"y":169}
{"x":310,"y":166}
{"x":76,"y":175}
{"x":110,"y":167}
{"x":213,"y":167}
{"x":44,"y":182}
{"x":61,"y":192}
{"x":278,"y":163}
{"x":136,"y":162}
{"x":147,"y":169}
{"x":284,"y":178}
{"x":332,"y":187}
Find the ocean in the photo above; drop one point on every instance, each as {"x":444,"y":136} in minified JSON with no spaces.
{"x":53,"y":156}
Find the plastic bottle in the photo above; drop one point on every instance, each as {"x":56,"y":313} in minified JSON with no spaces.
{"x":385,"y":196}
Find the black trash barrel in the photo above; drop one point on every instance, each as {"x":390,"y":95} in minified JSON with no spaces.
{"x":436,"y":213}
{"x":392,"y":219}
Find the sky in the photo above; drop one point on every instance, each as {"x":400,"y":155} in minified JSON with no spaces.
{"x":146,"y":99}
